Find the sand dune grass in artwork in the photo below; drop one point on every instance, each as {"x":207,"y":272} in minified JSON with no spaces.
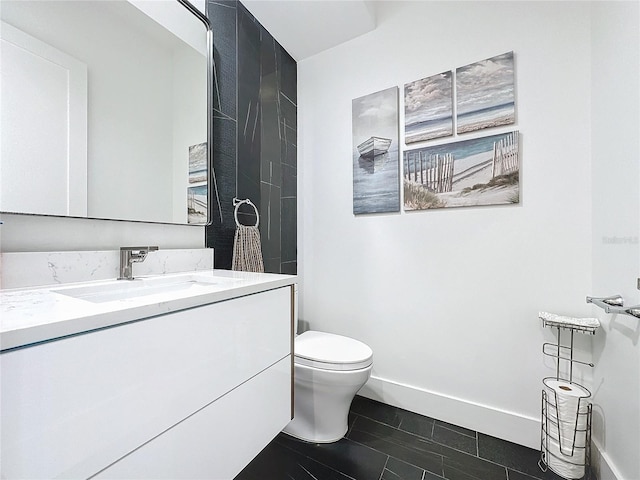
{"x":499,"y":181}
{"x":416,"y":197}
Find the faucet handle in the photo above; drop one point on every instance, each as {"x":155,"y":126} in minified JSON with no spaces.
{"x":152,"y":248}
{"x":137,"y":254}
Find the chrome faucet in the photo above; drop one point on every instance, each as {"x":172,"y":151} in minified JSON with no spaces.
{"x":129,"y":256}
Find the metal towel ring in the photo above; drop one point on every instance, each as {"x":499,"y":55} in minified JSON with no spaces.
{"x":237,"y":203}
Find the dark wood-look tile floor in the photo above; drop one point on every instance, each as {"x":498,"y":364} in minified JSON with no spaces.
{"x":388,"y":443}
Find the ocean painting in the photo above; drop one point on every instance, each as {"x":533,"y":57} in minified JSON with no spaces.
{"x":485,"y":94}
{"x":375,"y":154}
{"x":428,"y":108}
{"x":482,"y":171}
{"x":198,"y":163}
{"x":197,"y":204}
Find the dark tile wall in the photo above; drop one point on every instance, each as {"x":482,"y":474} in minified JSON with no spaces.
{"x":255,"y":136}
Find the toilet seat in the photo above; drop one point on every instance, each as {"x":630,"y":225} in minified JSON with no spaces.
{"x":329,"y":351}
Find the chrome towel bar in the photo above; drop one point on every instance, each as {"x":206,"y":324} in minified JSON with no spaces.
{"x":614,"y":304}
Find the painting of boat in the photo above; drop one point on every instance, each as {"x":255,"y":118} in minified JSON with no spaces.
{"x":374,"y":146}
{"x":374,"y":154}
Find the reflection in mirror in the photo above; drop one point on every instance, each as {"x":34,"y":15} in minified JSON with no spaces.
{"x":104,"y":110}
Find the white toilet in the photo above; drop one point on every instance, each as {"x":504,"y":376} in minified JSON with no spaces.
{"x":329,"y":370}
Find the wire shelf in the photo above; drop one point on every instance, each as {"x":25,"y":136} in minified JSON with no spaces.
{"x":591,"y":330}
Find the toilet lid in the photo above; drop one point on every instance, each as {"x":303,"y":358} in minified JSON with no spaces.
{"x":331,"y":352}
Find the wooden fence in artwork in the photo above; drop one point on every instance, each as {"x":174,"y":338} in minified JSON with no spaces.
{"x":505,"y":155}
{"x":435,"y":172}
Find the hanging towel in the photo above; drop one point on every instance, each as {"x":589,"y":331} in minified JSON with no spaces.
{"x":247,"y":249}
{"x":554,"y":320}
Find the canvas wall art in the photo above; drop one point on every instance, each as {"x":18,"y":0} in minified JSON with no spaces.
{"x":197,"y":204}
{"x":485,"y":94}
{"x":198,"y":163}
{"x":375,"y":155}
{"x":428,"y":108}
{"x":482,"y":171}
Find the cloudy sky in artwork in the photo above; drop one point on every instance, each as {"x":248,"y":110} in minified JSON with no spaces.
{"x":485,"y":84}
{"x":428,"y":98}
{"x":376,"y":115}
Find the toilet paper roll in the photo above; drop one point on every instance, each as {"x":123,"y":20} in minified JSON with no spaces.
{"x":567,"y":466}
{"x":567,"y":422}
{"x":568,"y":411}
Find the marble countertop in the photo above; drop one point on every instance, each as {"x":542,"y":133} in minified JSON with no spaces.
{"x":32,"y":315}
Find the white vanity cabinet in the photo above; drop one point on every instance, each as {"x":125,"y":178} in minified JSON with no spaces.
{"x":196,"y":393}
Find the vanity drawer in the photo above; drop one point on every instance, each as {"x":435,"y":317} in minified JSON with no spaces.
{"x":73,"y":406}
{"x":220,"y":440}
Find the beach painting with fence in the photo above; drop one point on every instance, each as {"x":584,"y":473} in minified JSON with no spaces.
{"x":485,"y":94}
{"x":482,"y":171}
{"x":428,"y":108}
{"x":375,"y":154}
{"x":197,"y":204}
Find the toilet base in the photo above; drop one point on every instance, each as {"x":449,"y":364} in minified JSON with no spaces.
{"x":307,"y":440}
{"x":322,"y":402}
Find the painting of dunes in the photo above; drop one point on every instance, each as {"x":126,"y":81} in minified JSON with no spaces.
{"x":482,"y":171}
{"x":428,"y":108}
{"x":197,"y":204}
{"x":485,"y":94}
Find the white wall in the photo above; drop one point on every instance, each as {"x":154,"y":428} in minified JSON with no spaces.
{"x":448,"y":299}
{"x":615,"y":151}
{"x":37,"y":233}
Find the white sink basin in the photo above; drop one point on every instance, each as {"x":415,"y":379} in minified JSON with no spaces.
{"x":129,"y":289}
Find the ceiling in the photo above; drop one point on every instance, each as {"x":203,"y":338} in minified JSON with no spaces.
{"x":307,"y":27}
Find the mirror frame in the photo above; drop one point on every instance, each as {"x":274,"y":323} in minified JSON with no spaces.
{"x":211,"y":178}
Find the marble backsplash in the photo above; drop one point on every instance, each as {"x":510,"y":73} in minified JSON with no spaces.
{"x":32,"y":269}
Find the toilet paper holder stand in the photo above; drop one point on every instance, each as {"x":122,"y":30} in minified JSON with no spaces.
{"x":574,"y":454}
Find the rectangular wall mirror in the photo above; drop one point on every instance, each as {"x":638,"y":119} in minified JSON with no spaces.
{"x":104,"y":110}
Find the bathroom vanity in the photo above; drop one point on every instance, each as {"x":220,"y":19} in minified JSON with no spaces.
{"x":186,"y":376}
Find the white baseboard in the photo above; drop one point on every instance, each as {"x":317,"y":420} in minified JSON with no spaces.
{"x":511,"y":426}
{"x":602,"y":464}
